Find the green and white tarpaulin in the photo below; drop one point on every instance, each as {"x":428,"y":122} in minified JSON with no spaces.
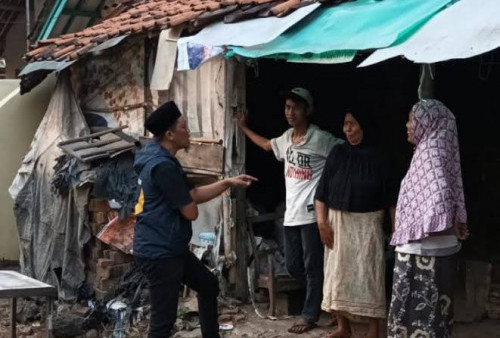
{"x":344,"y":29}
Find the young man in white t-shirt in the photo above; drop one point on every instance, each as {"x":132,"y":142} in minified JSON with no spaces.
{"x":304,"y":149}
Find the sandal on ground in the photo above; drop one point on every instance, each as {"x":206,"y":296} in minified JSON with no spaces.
{"x":301,"y":326}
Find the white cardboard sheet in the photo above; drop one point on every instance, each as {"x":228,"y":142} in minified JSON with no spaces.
{"x":249,"y":32}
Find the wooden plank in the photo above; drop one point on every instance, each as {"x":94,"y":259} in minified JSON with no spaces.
{"x":271,"y":286}
{"x":117,"y":146}
{"x":75,"y":146}
{"x":241,"y":245}
{"x":88,"y":137}
{"x":85,"y":145}
{"x":203,"y":156}
{"x":90,"y":152}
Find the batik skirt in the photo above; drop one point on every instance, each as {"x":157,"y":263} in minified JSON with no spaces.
{"x":422,"y":296}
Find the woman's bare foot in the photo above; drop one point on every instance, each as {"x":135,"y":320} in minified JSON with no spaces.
{"x":339,"y":333}
{"x":373,"y":328}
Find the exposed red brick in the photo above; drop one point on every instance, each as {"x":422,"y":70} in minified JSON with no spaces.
{"x":105,"y":262}
{"x":112,"y":271}
{"x":119,"y":257}
{"x":99,"y":205}
{"x":108,"y":284}
{"x":100,"y":217}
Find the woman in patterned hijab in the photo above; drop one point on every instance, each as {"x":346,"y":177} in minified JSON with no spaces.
{"x":430,"y":219}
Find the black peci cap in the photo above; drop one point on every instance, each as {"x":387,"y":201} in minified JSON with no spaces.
{"x":162,"y":118}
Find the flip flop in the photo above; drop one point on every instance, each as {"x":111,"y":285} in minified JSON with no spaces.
{"x":301,"y":327}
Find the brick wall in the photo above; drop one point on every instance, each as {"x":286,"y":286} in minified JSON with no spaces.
{"x":104,"y":264}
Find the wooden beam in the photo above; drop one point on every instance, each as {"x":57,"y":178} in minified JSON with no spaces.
{"x":241,"y":245}
{"x":203,"y":156}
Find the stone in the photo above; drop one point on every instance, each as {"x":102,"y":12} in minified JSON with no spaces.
{"x":68,"y":327}
{"x":92,"y":334}
{"x":191,"y":305}
{"x":239,"y":318}
{"x":63,"y":308}
{"x":25,"y":330}
{"x":230,"y":311}
{"x":80,"y":310}
{"x":27,"y":311}
{"x":179,"y":325}
{"x":188,"y":334}
{"x":225,"y":318}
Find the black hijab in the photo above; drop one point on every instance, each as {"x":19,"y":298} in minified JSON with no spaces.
{"x":357,"y":178}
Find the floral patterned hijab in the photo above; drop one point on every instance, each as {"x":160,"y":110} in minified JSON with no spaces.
{"x":431,"y":197}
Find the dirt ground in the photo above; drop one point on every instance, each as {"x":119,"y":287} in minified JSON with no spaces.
{"x":248,"y":324}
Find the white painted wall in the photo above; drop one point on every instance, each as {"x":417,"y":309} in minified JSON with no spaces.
{"x":19,"y":119}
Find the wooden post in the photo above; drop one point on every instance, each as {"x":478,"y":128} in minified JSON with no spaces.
{"x":227,"y":224}
{"x":271,"y":286}
{"x":241,"y":246}
{"x":13,"y":310}
{"x":50,"y":307}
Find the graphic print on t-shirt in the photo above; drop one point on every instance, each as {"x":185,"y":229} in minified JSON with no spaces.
{"x":299,"y":165}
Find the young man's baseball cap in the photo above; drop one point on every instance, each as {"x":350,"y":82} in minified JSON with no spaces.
{"x":301,"y":94}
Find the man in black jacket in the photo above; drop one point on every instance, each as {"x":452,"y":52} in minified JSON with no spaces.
{"x":167,"y":205}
